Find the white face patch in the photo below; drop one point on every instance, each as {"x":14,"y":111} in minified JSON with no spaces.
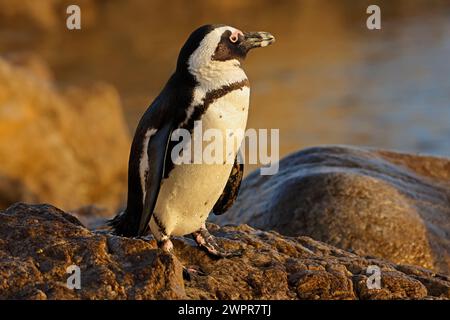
{"x":143,"y":162}
{"x":212,"y":74}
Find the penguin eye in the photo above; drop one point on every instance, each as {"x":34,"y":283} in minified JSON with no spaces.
{"x":234,"y":38}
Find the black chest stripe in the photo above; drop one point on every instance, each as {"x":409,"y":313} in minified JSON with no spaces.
{"x":199,"y":111}
{"x":209,"y":98}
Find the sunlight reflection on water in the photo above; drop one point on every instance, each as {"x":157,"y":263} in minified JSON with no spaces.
{"x":326,"y":80}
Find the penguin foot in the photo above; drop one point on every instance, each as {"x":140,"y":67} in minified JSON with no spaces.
{"x":189,"y":272}
{"x":165,"y":245}
{"x":208,"y":242}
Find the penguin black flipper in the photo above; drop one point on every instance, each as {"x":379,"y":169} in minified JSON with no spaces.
{"x":231,"y":190}
{"x":157,"y":153}
{"x":133,"y":221}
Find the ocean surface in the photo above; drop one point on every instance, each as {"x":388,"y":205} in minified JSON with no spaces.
{"x":326,"y":80}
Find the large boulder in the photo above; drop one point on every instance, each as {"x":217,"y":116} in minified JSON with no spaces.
{"x":68,"y":147}
{"x":39,"y":242}
{"x":386,"y":204}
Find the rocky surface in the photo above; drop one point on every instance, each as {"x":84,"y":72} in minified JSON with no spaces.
{"x":380,"y":203}
{"x":68,"y":147}
{"x":38,"y":243}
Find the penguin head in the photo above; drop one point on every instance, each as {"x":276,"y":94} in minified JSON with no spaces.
{"x":212,"y":48}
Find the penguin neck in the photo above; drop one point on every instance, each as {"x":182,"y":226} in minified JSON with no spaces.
{"x":217,"y":74}
{"x":214,"y":76}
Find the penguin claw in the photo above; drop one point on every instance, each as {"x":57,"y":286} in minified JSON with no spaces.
{"x":221,"y":253}
{"x":189,"y":272}
{"x":236,"y":253}
{"x":208,"y":242}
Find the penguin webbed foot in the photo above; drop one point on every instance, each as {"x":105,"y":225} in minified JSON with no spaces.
{"x":165,"y":245}
{"x":208,"y":242}
{"x":189,"y":272}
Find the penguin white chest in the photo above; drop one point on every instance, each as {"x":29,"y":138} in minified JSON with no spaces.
{"x":188,"y":195}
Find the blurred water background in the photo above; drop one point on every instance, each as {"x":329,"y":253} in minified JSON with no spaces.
{"x":326,"y":80}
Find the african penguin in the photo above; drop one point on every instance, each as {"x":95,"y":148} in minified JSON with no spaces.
{"x":208,"y":85}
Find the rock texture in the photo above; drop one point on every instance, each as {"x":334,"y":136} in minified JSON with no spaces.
{"x":38,"y":243}
{"x":380,"y":203}
{"x":68,"y":147}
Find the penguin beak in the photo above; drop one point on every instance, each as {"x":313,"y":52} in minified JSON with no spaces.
{"x":257,"y":39}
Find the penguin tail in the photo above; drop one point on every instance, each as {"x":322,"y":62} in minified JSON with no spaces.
{"x":124,"y":224}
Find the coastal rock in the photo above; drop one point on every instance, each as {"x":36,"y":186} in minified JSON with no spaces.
{"x":39,"y":242}
{"x":380,"y":203}
{"x":68,"y":147}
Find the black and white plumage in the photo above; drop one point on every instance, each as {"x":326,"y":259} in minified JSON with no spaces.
{"x":210,"y":85}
